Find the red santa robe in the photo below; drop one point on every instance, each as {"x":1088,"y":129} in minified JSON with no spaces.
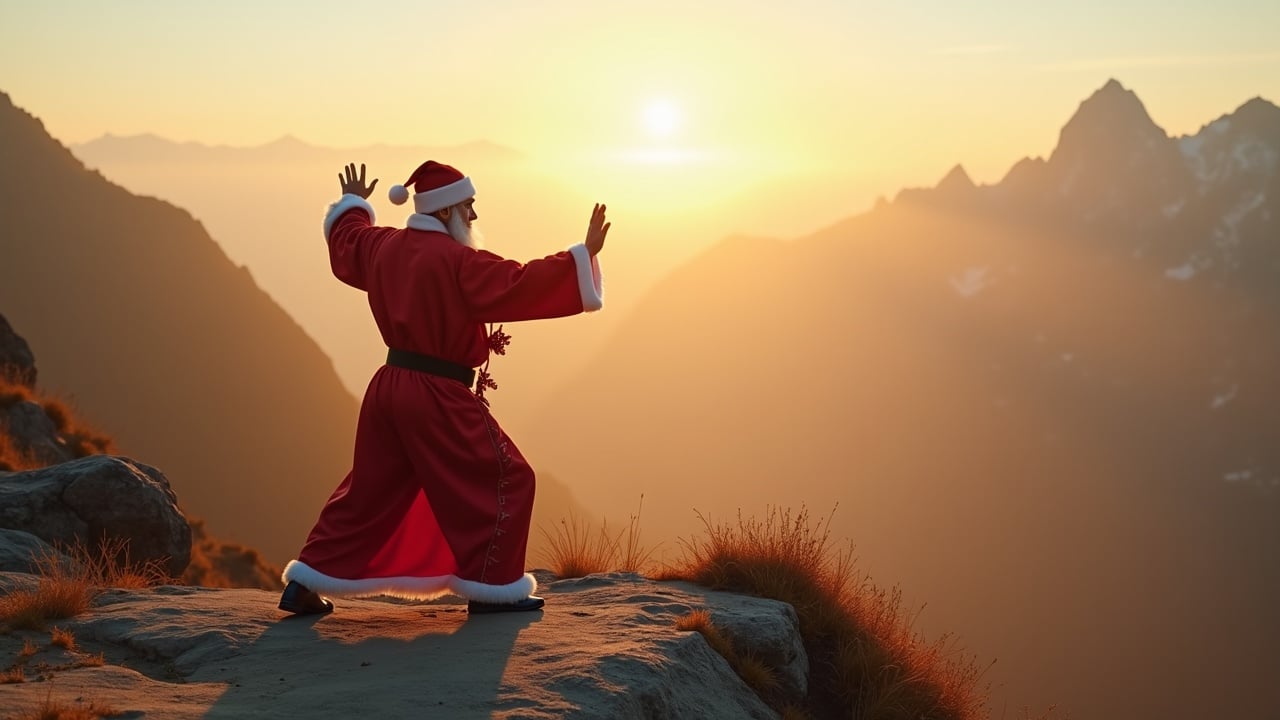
{"x":438,"y":499}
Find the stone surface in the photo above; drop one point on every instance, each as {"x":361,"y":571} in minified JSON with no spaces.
{"x":605,"y":647}
{"x":95,"y":497}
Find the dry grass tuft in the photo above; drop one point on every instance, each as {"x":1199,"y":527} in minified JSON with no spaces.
{"x":867,"y":659}
{"x":12,"y":457}
{"x":28,"y":649}
{"x":697,"y":620}
{"x":576,"y":549}
{"x":81,"y":439}
{"x":633,"y":555}
{"x":758,"y":675}
{"x":66,"y":588}
{"x":13,"y":675}
{"x":108,"y":565}
{"x":57,"y":710}
{"x":12,"y":392}
{"x":63,"y":639}
{"x":60,"y":593}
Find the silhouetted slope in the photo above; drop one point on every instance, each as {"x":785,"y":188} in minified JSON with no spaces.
{"x":154,"y":333}
{"x":1048,"y":407}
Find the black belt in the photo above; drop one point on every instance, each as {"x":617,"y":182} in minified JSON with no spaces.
{"x":432,"y":365}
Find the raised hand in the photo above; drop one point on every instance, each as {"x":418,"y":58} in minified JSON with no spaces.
{"x":353,"y":186}
{"x":597,"y":229}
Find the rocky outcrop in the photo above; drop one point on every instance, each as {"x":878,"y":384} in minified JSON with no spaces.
{"x":771,"y":637}
{"x":30,"y":429}
{"x":17,"y":364}
{"x":606,"y":646}
{"x":20,"y":551}
{"x":36,"y":431}
{"x":96,"y":498}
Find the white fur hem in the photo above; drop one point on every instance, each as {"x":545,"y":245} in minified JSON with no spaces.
{"x":414,"y":588}
{"x":590,"y":281}
{"x":345,"y":203}
{"x":509,"y":593}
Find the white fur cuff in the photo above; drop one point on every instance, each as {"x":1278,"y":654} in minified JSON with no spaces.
{"x":345,"y":203}
{"x":590,"y":280}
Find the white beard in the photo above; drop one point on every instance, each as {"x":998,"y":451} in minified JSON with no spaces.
{"x":458,"y":230}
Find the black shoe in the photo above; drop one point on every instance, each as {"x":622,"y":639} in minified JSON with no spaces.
{"x":533,"y":602}
{"x":299,"y":600}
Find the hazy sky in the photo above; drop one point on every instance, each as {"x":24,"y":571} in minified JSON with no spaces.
{"x":891,"y":92}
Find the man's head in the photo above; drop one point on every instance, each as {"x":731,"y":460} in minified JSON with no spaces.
{"x":458,"y":219}
{"x":442,"y":192}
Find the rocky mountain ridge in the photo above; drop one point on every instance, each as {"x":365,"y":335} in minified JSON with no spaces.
{"x":1060,"y":385}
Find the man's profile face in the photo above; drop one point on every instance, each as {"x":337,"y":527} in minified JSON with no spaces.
{"x":468,"y":212}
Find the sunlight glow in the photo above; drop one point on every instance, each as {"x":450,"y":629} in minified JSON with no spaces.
{"x":661,"y":118}
{"x":661,"y":156}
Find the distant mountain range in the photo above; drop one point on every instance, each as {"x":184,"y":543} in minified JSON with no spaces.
{"x":150,"y":149}
{"x":1050,"y":407}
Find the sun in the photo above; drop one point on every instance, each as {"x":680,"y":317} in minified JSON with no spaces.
{"x":661,"y":118}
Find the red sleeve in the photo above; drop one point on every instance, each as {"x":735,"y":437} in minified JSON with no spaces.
{"x":500,"y":290}
{"x":352,"y":239}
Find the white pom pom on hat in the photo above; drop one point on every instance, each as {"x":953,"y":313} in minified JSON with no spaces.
{"x":435,"y":186}
{"x":399,"y":194}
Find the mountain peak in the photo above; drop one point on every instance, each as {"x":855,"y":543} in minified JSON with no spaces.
{"x":1112,"y":113}
{"x":956,"y":180}
{"x":1110,"y":144}
{"x":1259,"y":114}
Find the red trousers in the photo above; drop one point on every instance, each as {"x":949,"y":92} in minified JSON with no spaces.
{"x":438,"y":500}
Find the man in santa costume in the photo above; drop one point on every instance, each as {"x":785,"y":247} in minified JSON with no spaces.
{"x":438,"y":499}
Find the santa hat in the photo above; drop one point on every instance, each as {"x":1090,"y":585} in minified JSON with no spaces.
{"x":436,"y":186}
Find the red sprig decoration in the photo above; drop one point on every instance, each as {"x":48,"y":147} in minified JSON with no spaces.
{"x":484,"y":382}
{"x":498,"y":342}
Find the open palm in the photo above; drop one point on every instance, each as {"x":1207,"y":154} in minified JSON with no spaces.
{"x":353,"y":185}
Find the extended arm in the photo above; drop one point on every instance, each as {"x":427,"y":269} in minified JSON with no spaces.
{"x":567,"y":283}
{"x":347,"y":228}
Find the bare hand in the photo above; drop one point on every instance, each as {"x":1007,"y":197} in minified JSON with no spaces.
{"x":597,"y":229}
{"x":350,"y":185}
